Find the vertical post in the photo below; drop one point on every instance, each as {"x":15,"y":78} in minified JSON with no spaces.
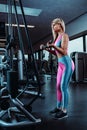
{"x":20,"y":65}
{"x":30,"y":46}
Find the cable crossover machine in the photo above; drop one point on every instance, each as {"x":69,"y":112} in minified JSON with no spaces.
{"x":12,"y":107}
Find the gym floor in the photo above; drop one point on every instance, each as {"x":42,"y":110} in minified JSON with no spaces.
{"x":77,"y":109}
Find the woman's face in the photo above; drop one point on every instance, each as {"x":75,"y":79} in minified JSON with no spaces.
{"x":57,"y":27}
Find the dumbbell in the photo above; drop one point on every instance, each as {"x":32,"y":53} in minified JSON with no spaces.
{"x":45,"y":46}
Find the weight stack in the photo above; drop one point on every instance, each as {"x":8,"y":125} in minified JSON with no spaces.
{"x":12,"y":83}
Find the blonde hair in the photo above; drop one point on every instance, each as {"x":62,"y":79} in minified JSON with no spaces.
{"x":55,"y":21}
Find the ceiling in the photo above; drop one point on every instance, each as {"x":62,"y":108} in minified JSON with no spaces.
{"x":66,"y":9}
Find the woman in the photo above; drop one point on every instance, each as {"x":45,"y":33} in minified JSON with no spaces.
{"x":65,"y":66}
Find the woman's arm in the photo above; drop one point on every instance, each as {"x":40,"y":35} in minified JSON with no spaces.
{"x":64,"y":45}
{"x":47,"y":48}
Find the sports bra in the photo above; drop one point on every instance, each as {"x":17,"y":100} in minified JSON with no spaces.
{"x":58,"y":42}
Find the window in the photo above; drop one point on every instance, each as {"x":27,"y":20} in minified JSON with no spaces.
{"x":75,"y":45}
{"x":26,"y":57}
{"x":46,"y":55}
{"x":86,"y":43}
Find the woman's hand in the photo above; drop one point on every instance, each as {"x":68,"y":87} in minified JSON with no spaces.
{"x":50,"y":45}
{"x":41,"y":46}
{"x":47,"y":46}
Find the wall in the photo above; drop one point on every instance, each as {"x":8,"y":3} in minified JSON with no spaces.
{"x":77,"y":26}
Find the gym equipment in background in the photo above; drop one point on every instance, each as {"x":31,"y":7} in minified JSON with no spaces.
{"x":16,"y":108}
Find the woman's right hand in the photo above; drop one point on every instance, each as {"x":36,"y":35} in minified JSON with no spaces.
{"x":44,"y":47}
{"x":41,"y":46}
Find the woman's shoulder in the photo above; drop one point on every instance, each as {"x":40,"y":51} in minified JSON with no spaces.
{"x":65,"y":35}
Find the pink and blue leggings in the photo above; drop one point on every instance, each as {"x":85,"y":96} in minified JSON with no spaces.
{"x":64,"y":73}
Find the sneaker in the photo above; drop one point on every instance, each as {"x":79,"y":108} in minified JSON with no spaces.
{"x":55,"y":110}
{"x":61,"y":115}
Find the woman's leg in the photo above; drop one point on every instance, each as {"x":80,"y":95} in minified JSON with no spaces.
{"x":58,"y":84}
{"x":65,"y":83}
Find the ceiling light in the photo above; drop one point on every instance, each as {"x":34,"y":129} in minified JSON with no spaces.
{"x":2,"y":40}
{"x":21,"y":25}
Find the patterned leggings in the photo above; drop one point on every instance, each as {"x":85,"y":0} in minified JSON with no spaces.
{"x":64,"y":73}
